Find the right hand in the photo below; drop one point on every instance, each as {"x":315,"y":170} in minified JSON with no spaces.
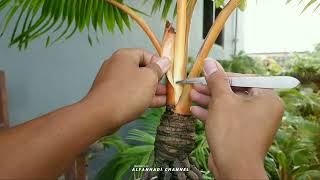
{"x":240,"y":127}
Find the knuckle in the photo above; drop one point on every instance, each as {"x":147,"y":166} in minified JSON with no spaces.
{"x":225,"y":79}
{"x":118,"y":52}
{"x":225,"y":99}
{"x":156,"y":70}
{"x":279,"y":104}
{"x":151,"y":74}
{"x":141,"y":50}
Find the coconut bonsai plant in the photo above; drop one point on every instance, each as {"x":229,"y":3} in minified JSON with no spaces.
{"x":175,"y":136}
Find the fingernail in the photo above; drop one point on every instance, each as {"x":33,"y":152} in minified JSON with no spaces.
{"x":154,"y":58}
{"x":210,"y":66}
{"x":164,"y":64}
{"x":191,"y":108}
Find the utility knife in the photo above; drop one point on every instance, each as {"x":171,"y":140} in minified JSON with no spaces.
{"x":267,"y":82}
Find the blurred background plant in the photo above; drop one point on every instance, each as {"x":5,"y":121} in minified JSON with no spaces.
{"x":295,"y":153}
{"x":306,"y":67}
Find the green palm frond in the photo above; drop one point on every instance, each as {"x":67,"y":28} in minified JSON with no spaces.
{"x":124,"y":161}
{"x":135,"y":149}
{"x":220,"y":3}
{"x":114,"y":141}
{"x":150,"y":120}
{"x":201,"y":150}
{"x":309,"y":4}
{"x":141,"y":136}
{"x":58,"y":20}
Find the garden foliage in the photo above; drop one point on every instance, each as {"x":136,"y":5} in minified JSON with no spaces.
{"x":295,"y":153}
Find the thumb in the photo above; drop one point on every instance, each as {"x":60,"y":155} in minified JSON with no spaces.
{"x":159,"y":67}
{"x":217,"y":79}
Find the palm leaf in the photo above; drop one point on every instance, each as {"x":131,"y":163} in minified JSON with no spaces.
{"x":141,"y":136}
{"x":221,"y":3}
{"x":62,"y":19}
{"x":309,"y":4}
{"x":122,"y":162}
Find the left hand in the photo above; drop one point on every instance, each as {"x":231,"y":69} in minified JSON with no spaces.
{"x":127,"y":84}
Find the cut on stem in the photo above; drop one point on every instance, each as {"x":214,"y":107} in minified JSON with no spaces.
{"x":140,"y":21}
{"x":180,"y":62}
{"x":183,"y":106}
{"x":168,"y":51}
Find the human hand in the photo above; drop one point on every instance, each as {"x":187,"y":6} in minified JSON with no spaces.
{"x":240,"y":124}
{"x":126,"y":85}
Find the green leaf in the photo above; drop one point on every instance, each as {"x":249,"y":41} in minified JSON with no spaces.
{"x":48,"y":41}
{"x":166,"y":8}
{"x":118,"y":19}
{"x":219,"y":3}
{"x":125,"y":18}
{"x":141,"y":136}
{"x":62,"y":19}
{"x":316,"y":8}
{"x":89,"y":39}
{"x":308,"y":5}
{"x":156,"y":6}
{"x":11,"y":14}
{"x":243,"y":5}
{"x":4,"y":4}
{"x":109,"y":17}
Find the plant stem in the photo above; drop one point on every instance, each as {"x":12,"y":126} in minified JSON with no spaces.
{"x":168,"y":51}
{"x":140,"y":21}
{"x":180,"y":62}
{"x":183,"y":106}
{"x":190,"y":9}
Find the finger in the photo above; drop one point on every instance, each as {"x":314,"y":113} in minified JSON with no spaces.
{"x":161,"y":90}
{"x":158,"y":101}
{"x":199,"y":113}
{"x":138,"y":56}
{"x":217,"y":79}
{"x":201,"y":99}
{"x":211,"y":165}
{"x":231,"y":74}
{"x":160,"y":67}
{"x":147,"y":58}
{"x":203,"y":89}
{"x":268,"y":96}
{"x":242,"y":90}
{"x":243,"y":94}
{"x":260,"y":91}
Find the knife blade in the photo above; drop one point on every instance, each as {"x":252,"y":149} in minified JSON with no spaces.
{"x":268,"y":82}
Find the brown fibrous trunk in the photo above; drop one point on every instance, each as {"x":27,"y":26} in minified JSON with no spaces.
{"x":174,"y":142}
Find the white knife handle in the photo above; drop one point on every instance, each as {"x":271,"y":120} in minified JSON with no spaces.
{"x":269,"y":82}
